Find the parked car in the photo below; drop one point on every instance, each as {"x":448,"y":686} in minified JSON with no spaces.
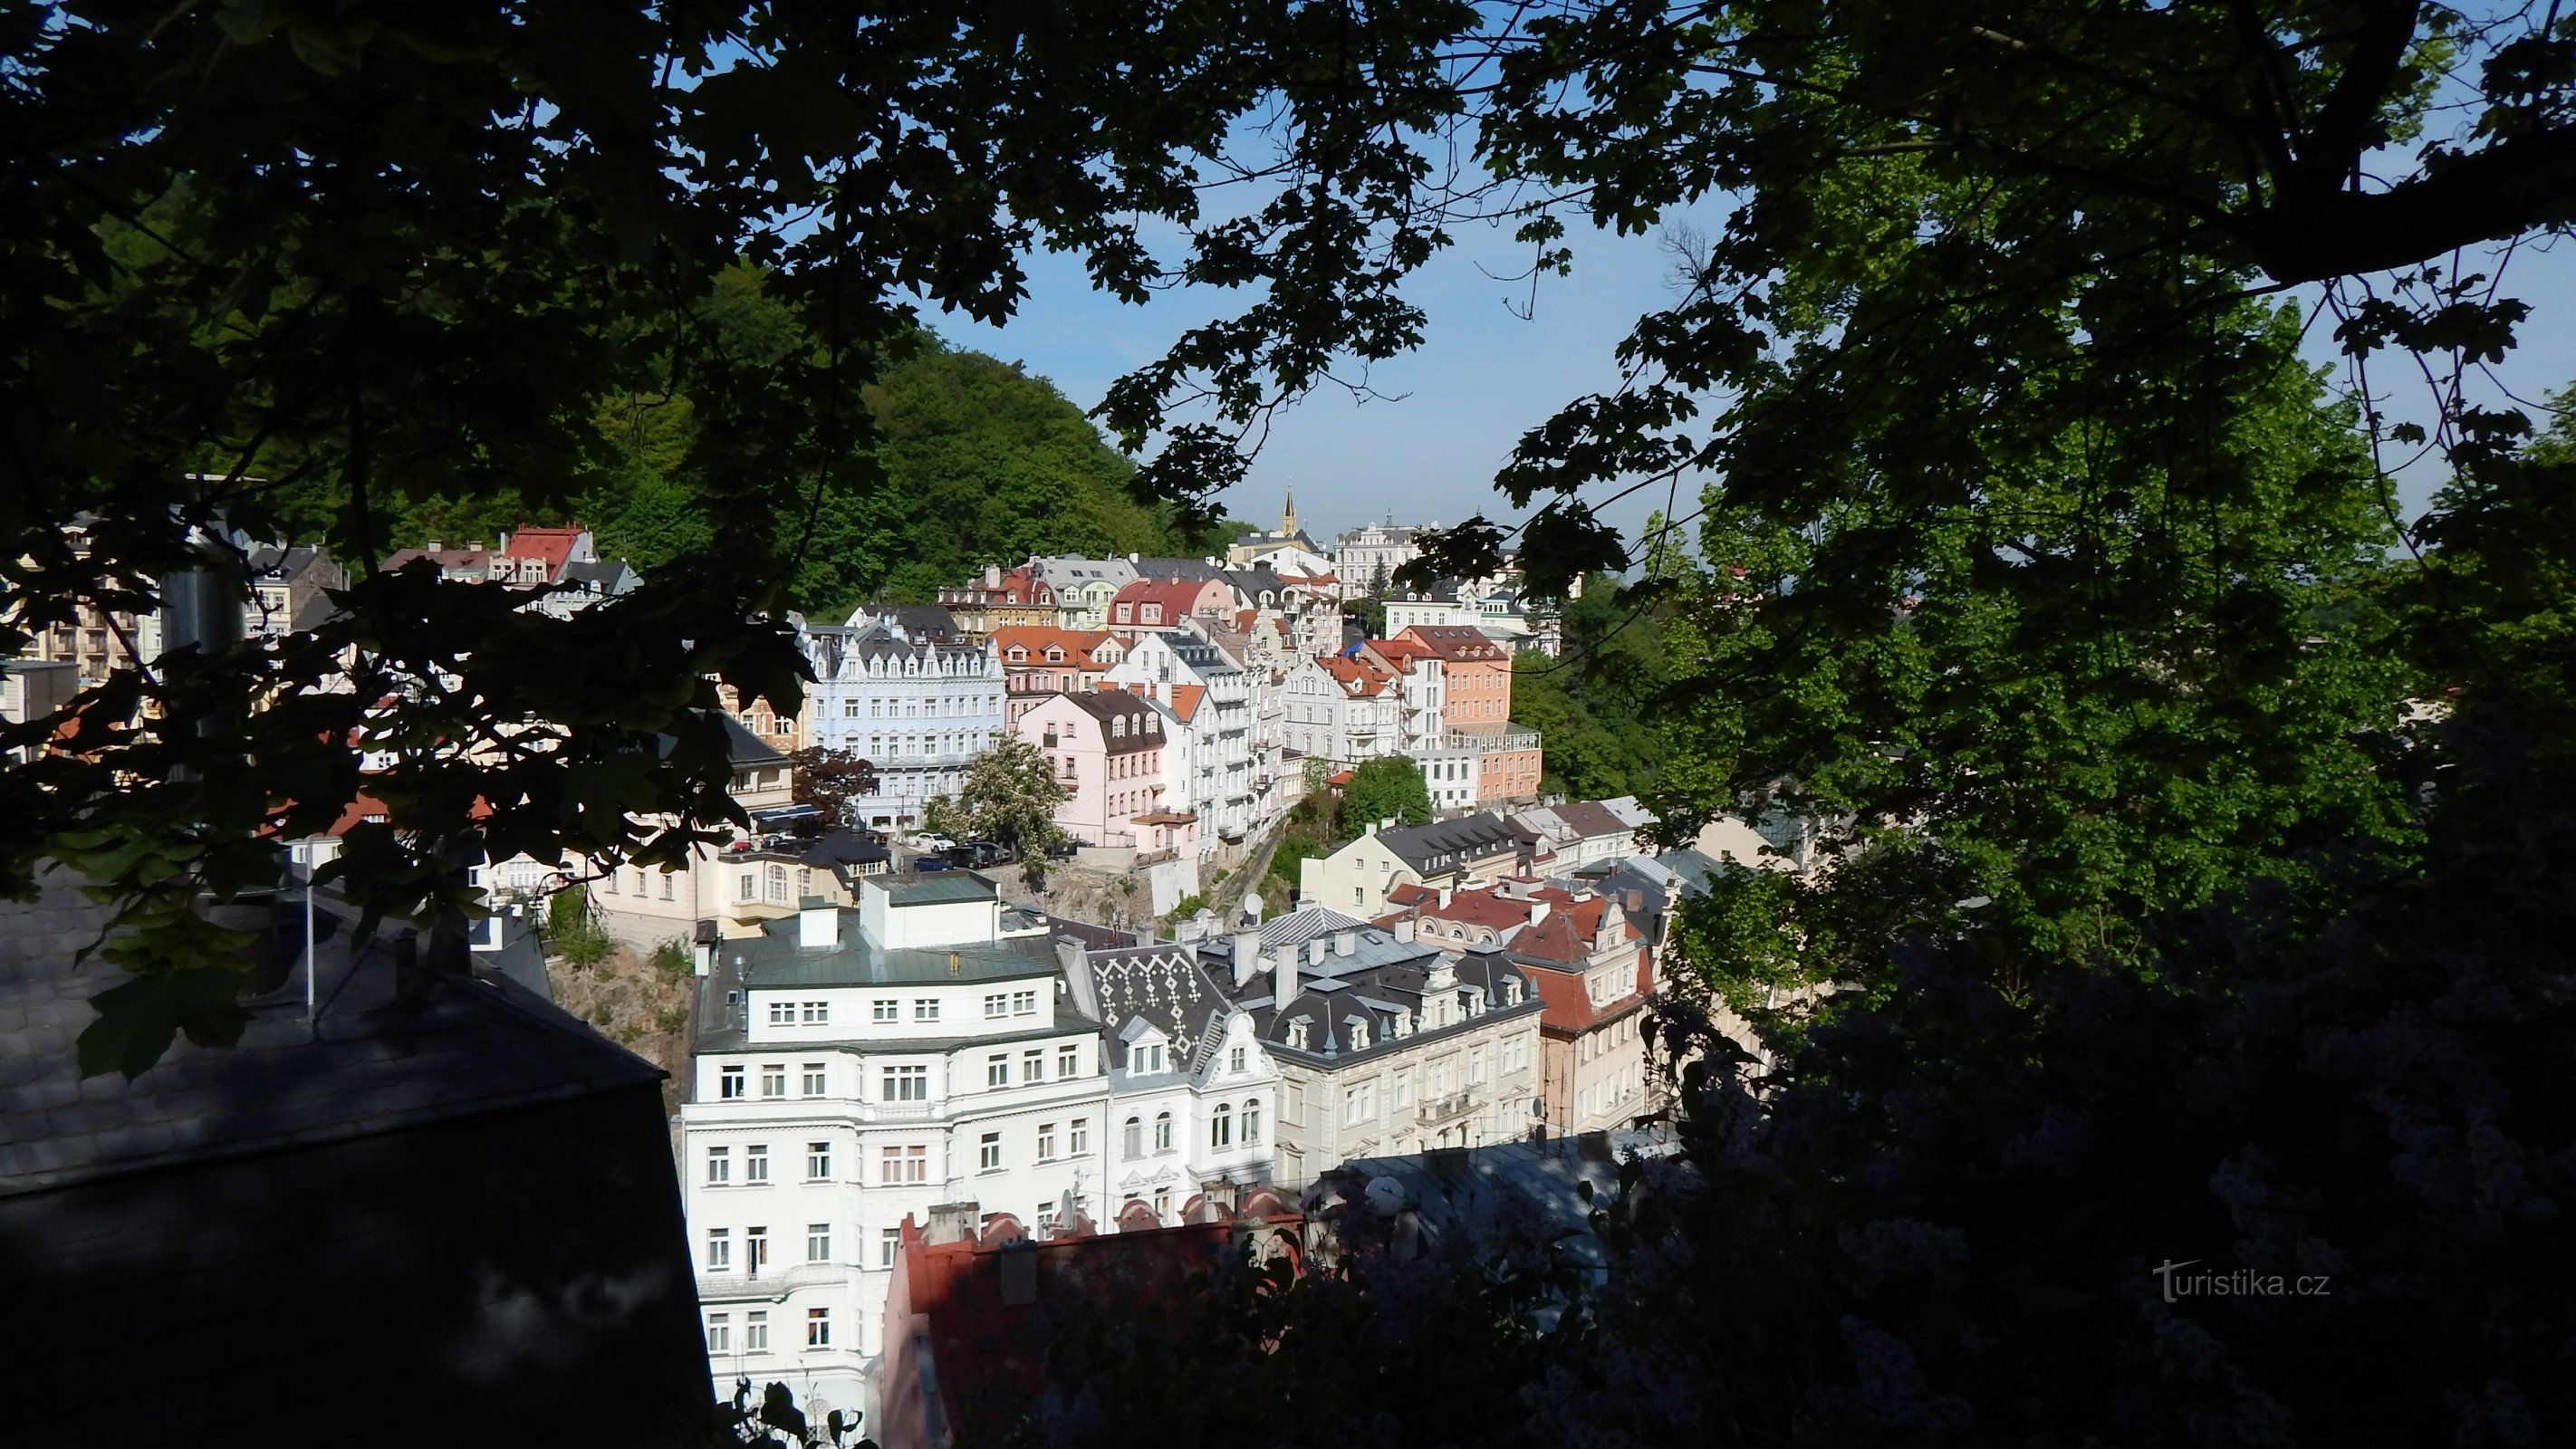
{"x":982,"y":853}
{"x":1062,"y":852}
{"x":929,"y":863}
{"x":938,"y":843}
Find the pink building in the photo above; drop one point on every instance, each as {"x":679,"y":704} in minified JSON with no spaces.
{"x":1108,"y":748}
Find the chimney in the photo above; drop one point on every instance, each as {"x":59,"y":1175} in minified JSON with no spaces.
{"x":951,"y":1222}
{"x":1285,"y":990}
{"x":436,"y":547}
{"x":1404,"y":930}
{"x":1345,"y":942}
{"x":1445,"y":892}
{"x":1079,"y":984}
{"x":1315,"y":952}
{"x":1538,"y":912}
{"x":818,"y":924}
{"x":1247,"y":956}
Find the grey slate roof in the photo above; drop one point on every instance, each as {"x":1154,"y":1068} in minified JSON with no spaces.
{"x":1465,"y":840}
{"x":773,"y":959}
{"x":474,"y":1046}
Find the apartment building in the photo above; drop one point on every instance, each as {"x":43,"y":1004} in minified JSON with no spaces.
{"x":1472,"y":851}
{"x":919,"y":711}
{"x":1385,"y":1043}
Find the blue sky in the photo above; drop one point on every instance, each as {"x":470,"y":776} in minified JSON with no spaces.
{"x":1427,"y":451}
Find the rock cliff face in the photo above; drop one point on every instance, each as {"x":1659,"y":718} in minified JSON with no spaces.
{"x":637,"y":1001}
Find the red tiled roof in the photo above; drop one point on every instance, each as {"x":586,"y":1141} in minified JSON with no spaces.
{"x":1078,"y":644}
{"x":1185,"y":700}
{"x":1357,"y":676}
{"x":554,"y":545}
{"x":1457,"y":642}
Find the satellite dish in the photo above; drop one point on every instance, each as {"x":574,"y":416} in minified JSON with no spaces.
{"x":1251,"y":903}
{"x":1385,"y":1196}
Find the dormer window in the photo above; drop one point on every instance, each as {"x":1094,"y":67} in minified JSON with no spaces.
{"x":1118,"y":729}
{"x":1359,"y":1034}
{"x":1145,"y":1058}
{"x":1297,"y":1035}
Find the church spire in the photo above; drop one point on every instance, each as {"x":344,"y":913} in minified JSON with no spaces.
{"x":1288,"y":512}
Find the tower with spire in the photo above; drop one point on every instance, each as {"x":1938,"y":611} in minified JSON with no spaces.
{"x":1288,"y":513}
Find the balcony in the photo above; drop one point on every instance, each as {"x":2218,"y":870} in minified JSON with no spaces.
{"x":772,"y":1283}
{"x":1436,"y":1110}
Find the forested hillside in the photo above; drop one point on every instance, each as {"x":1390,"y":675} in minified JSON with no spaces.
{"x":977,"y":462}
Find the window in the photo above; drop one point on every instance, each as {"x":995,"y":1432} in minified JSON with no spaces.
{"x":818,"y":1161}
{"x":666,"y":885}
{"x":755,"y":1332}
{"x":814,"y":1079}
{"x":1046,"y":1141}
{"x":719,"y":1166}
{"x":888,"y":1239}
{"x":1359,"y":1035}
{"x":1162,"y":1132}
{"x":1234,"y":1060}
{"x":881,"y":1010}
{"x":1221,"y":1126}
{"x":905,"y":1084}
{"x":1404,"y":1088}
{"x":782,"y":1013}
{"x":773,"y":1079}
{"x":988,"y":1152}
{"x":1359,"y":1103}
{"x":1033,"y":1065}
{"x":1134,"y":1137}
{"x":719,"y":1249}
{"x":1145,"y":1058}
{"x":778,"y":884}
{"x":755,"y":1163}
{"x":818,"y":1328}
{"x":818,"y":1242}
{"x":1476,"y":1063}
{"x":719,"y":1333}
{"x":903,"y":1164}
{"x":1068,"y":1061}
{"x":729,"y":1083}
{"x":995,"y":1005}
{"x":818,"y":1013}
{"x":997,"y":1070}
{"x":1162,"y":1206}
{"x":1077,"y":1136}
{"x":746,"y":890}
{"x":926,"y":1009}
{"x":1252,"y":1120}
{"x":1024,"y":1003}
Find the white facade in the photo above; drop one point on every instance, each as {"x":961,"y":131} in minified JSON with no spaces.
{"x":855,"y":1067}
{"x":1335,"y":710}
{"x":919,"y":712}
{"x":1365,"y":559}
{"x":1220,"y":753}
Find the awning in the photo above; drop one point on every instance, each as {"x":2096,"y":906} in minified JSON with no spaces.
{"x":783,"y":814}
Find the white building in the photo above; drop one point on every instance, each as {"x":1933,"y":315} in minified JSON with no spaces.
{"x":918,"y":711}
{"x":1342,"y":710}
{"x":932,"y":1047}
{"x":1385,"y":1043}
{"x":855,"y":1066}
{"x":1219,"y":754}
{"x":1365,"y":559}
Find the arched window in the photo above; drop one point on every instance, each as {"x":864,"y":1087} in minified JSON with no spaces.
{"x":1252,"y":1120}
{"x":1162,"y":1132}
{"x":1135,"y":1137}
{"x":1221,"y":1127}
